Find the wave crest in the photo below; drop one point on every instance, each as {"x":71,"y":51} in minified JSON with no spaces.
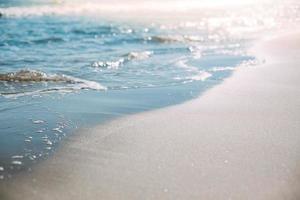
{"x":25,"y":75}
{"x":14,"y":84}
{"x":139,"y":55}
{"x":195,"y":74}
{"x":175,"y":38}
{"x":134,"y":55}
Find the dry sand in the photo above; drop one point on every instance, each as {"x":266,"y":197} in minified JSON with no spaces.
{"x":240,"y":140}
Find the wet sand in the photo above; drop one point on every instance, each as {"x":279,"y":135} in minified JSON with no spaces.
{"x":239,"y":140}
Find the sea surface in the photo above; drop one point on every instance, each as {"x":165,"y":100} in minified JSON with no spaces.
{"x":66,"y":65}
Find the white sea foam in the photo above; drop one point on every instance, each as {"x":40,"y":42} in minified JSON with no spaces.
{"x":40,"y":131}
{"x":196,"y":74}
{"x":175,"y":38}
{"x":196,"y":51}
{"x":249,"y":63}
{"x":86,"y":84}
{"x":246,"y":63}
{"x":134,"y":55}
{"x":216,"y":69}
{"x":48,"y":142}
{"x":69,"y":83}
{"x":38,"y":121}
{"x":139,"y":55}
{"x":16,"y":162}
{"x":201,"y":76}
{"x":57,"y":130}
{"x":108,"y":64}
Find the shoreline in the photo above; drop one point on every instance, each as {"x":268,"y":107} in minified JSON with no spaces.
{"x":238,"y":140}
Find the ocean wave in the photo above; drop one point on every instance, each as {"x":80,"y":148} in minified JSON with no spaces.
{"x":108,"y":64}
{"x":217,"y":69}
{"x":195,"y":74}
{"x":104,"y":29}
{"x":61,"y":83}
{"x":251,"y":62}
{"x":48,"y":40}
{"x":245,"y":63}
{"x":196,"y":51}
{"x":138,"y":55}
{"x":26,"y":75}
{"x":183,"y":64}
{"x":175,"y":38}
{"x":134,"y":55}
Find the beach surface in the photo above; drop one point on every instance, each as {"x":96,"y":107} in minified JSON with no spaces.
{"x":239,"y":140}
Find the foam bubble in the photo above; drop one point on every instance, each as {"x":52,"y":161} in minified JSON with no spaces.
{"x":17,"y":157}
{"x":200,"y":76}
{"x":134,"y":55}
{"x":57,"y":130}
{"x":139,"y":55}
{"x":16,"y":162}
{"x":108,"y":64}
{"x":175,"y":38}
{"x":216,"y":69}
{"x":196,"y":74}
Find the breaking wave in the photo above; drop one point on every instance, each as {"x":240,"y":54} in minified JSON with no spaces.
{"x":142,"y":55}
{"x":195,"y":74}
{"x":33,"y":76}
{"x":138,"y":55}
{"x":108,"y":64}
{"x":29,"y":82}
{"x":175,"y":38}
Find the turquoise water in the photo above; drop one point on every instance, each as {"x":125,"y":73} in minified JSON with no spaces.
{"x":61,"y":70}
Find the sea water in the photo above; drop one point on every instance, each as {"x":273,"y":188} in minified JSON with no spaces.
{"x":66,"y":65}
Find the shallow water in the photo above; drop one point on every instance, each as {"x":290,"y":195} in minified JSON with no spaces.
{"x":65,"y":66}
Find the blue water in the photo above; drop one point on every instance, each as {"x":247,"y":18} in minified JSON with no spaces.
{"x":113,"y":68}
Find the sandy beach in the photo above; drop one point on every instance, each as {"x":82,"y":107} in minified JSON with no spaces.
{"x":239,"y":140}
